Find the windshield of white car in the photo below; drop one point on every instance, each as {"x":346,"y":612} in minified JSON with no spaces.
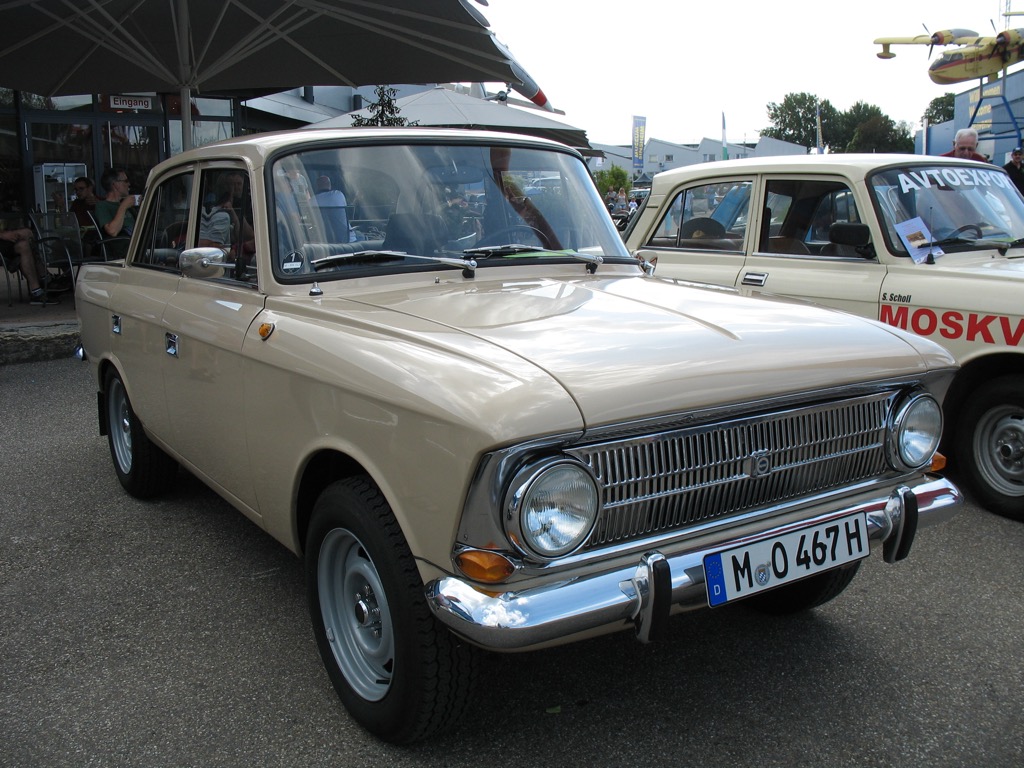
{"x":957,"y":207}
{"x":350,"y":211}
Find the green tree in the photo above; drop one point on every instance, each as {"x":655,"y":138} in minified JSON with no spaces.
{"x":880,"y":134}
{"x":795,"y":120}
{"x":847,"y":124}
{"x":614,"y":177}
{"x":940,"y":109}
{"x":861,"y":128}
{"x":383,"y":111}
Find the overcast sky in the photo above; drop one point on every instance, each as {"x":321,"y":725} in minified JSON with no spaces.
{"x":681,"y":64}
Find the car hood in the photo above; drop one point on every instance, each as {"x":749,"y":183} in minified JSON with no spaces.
{"x":978,"y":263}
{"x":630,"y":347}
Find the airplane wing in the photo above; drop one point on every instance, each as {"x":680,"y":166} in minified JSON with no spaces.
{"x":943,"y":37}
{"x":918,"y":40}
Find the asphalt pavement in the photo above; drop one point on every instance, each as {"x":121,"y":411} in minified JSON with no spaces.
{"x":175,"y":633}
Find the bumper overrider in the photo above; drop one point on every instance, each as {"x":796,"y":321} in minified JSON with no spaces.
{"x":644,"y":594}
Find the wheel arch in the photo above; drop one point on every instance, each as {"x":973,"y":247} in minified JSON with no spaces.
{"x":323,"y":468}
{"x":973,"y":373}
{"x":103,"y":369}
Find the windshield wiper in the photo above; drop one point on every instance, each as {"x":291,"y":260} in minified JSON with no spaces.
{"x":953,"y":241}
{"x":377,"y":255}
{"x":511,"y":249}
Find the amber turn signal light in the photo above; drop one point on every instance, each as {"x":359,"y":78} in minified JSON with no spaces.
{"x":938,"y":462}
{"x":483,"y":565}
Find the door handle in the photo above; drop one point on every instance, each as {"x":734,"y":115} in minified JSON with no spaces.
{"x":171,"y":344}
{"x":757,"y":279}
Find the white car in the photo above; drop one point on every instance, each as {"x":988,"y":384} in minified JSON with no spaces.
{"x":927,"y":244}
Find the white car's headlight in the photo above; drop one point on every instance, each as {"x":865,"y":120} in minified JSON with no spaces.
{"x":917,"y":428}
{"x":550,"y":509}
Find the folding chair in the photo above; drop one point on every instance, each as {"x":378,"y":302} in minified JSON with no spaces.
{"x":108,"y":248}
{"x":53,"y":252}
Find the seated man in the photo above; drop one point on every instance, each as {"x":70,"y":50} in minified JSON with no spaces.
{"x":115,"y":214}
{"x":16,"y":246}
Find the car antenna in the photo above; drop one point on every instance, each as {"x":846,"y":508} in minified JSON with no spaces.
{"x":931,"y":238}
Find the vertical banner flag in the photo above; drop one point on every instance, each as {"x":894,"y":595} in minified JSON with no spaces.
{"x":639,"y":129}
{"x":817,"y":124}
{"x":725,"y":148}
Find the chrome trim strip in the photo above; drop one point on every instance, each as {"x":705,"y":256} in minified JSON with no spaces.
{"x":613,"y":599}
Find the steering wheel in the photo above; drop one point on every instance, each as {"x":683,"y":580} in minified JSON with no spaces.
{"x":966,"y":228}
{"x":508,"y":235}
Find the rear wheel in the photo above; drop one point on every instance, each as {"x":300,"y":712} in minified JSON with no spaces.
{"x":991,"y":440}
{"x":398,"y":672}
{"x":805,"y":594}
{"x":143,"y":469}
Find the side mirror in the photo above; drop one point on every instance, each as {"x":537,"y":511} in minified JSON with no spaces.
{"x":846,"y":233}
{"x":857,"y":236}
{"x":202,"y":262}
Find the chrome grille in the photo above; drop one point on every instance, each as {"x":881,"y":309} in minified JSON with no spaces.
{"x":678,"y":479}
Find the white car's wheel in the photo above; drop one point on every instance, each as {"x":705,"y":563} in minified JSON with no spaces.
{"x":991,"y":436}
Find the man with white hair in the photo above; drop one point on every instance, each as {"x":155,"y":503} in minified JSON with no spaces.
{"x":965,"y":146}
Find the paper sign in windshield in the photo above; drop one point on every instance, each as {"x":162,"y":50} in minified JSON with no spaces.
{"x":917,"y":239}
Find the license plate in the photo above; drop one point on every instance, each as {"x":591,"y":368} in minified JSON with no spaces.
{"x":746,"y":570}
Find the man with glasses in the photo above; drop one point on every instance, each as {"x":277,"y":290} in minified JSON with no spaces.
{"x":965,"y":146}
{"x":115,"y":214}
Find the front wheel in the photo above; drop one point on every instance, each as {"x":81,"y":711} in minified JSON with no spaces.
{"x":398,"y":672}
{"x":805,"y":594}
{"x":142,"y":468}
{"x":991,"y":438}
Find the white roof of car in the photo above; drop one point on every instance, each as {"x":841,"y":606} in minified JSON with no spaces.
{"x":257,"y":147}
{"x":850,"y":165}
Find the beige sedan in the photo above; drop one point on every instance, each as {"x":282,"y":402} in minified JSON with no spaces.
{"x":477,"y":420}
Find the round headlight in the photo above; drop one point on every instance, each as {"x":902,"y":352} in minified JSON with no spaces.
{"x":916,"y":431}
{"x":552,"y":509}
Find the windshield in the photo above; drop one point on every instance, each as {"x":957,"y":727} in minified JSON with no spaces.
{"x":353,"y":210}
{"x":948,"y":206}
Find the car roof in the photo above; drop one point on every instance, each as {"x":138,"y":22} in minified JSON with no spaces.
{"x":852,"y":165}
{"x":256,"y":148}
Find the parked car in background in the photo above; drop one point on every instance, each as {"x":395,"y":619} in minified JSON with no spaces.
{"x":927,"y":244}
{"x":484,"y":426}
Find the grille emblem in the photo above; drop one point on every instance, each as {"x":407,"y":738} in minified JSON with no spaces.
{"x":759,"y":464}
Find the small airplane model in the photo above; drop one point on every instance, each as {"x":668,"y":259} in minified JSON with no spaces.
{"x":978,"y":56}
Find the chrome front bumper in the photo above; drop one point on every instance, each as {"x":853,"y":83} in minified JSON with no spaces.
{"x":643,"y":594}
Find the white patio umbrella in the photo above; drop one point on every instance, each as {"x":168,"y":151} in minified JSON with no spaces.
{"x":56,"y":47}
{"x":445,"y":108}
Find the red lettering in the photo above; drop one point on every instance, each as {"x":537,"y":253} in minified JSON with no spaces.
{"x":896,"y":316}
{"x":923,"y":322}
{"x":977,"y":325}
{"x":952,"y":325}
{"x":1012,"y":337}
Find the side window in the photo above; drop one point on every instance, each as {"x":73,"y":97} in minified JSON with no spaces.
{"x":166,"y":226}
{"x":798,"y":214}
{"x":225,"y":220}
{"x":706,"y":217}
